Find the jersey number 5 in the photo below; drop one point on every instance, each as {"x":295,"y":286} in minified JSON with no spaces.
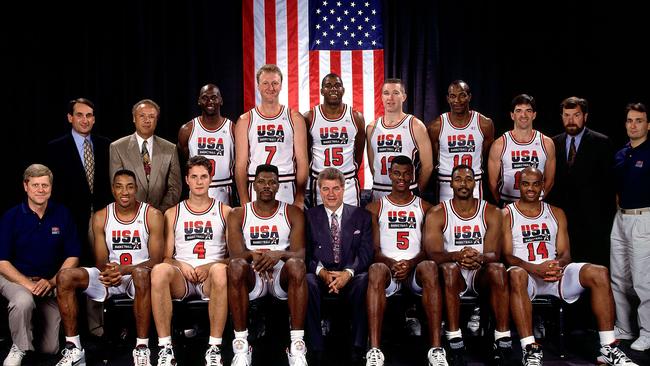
{"x":402,"y":240}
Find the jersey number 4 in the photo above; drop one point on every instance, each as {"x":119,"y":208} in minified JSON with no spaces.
{"x":199,"y":250}
{"x":542,"y":251}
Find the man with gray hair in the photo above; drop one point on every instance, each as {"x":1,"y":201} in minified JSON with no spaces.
{"x":37,"y":238}
{"x":338,"y":255}
{"x":154,"y":160}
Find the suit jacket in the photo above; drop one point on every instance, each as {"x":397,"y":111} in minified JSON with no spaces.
{"x":163,"y":190}
{"x":70,"y":186}
{"x":356,"y":240}
{"x":586,"y":193}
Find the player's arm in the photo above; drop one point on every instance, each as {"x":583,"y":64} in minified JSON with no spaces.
{"x":492,"y":242}
{"x":371,"y":154}
{"x":562,"y":245}
{"x":310,"y":142}
{"x":183,"y":139}
{"x":487,"y":129}
{"x":359,"y":138}
{"x":300,"y":152}
{"x":434,"y":132}
{"x":170,"y":236}
{"x":268,"y":259}
{"x":508,"y":246}
{"x":236,"y":246}
{"x":494,"y":167}
{"x":373,"y":208}
{"x":156,"y":223}
{"x":241,"y":157}
{"x":99,"y":239}
{"x":425,"y":153}
{"x":549,"y":167}
{"x":434,"y":242}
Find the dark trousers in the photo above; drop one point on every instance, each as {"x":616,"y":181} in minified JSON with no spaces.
{"x":354,"y":296}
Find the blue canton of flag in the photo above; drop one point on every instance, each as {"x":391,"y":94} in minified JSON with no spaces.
{"x":345,"y":25}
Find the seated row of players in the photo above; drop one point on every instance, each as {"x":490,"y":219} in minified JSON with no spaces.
{"x":266,"y":246}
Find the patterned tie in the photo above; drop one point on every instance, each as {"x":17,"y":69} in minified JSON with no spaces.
{"x":336,"y":238}
{"x":89,"y":164}
{"x":146,"y":161}
{"x":572,"y":152}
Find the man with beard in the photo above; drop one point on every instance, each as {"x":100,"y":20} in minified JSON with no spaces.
{"x":536,"y":246}
{"x":211,"y":135}
{"x":460,"y":136}
{"x":464,"y":233}
{"x":336,"y":137}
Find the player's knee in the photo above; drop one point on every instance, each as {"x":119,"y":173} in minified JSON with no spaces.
{"x":599,"y":275}
{"x":377,"y":274}
{"x":518,"y":278}
{"x":496,"y":271}
{"x":141,"y":277}
{"x":237,"y":270}
{"x":427,"y":271}
{"x":161,"y":274}
{"x":67,"y":277}
{"x":218,"y":275}
{"x":296,"y":267}
{"x":449,"y":272}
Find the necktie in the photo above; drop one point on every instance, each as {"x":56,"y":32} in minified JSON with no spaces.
{"x":572,"y":152}
{"x":89,"y":164}
{"x":146,"y":161}
{"x":336,"y":238}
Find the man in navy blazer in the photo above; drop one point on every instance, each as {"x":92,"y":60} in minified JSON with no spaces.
{"x":339,"y":270}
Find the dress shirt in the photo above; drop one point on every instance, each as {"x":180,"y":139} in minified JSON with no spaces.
{"x":339,"y":215}
{"x":79,"y":143}
{"x":578,"y":138}
{"x":149,"y":145}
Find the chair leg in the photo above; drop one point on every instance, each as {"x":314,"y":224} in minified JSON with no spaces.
{"x":561,"y":346}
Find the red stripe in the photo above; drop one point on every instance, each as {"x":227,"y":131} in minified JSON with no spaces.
{"x":269,"y":31}
{"x":335,"y":62}
{"x":314,"y":83}
{"x":292,"y":54}
{"x":357,"y":100}
{"x":248,"y":42}
{"x":379,"y":81}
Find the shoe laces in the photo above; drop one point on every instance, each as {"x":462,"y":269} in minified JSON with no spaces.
{"x":15,"y":351}
{"x":533,"y":358}
{"x":141,"y":356}
{"x":240,"y":359}
{"x":165,"y":355}
{"x":617,"y":356}
{"x":375,"y":357}
{"x":68,"y":355}
{"x":437,"y":356}
{"x":213,"y":355}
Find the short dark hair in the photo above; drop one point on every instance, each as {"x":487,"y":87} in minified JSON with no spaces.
{"x":462,"y":166}
{"x":639,"y":107}
{"x":85,"y":101}
{"x":331,"y":174}
{"x":401,"y":160}
{"x":127,"y":173}
{"x":330,"y":75}
{"x":402,"y":87}
{"x":269,"y":168}
{"x":575,"y":102}
{"x":460,"y":83}
{"x":148,"y":102}
{"x":523,"y":99}
{"x":199,"y":160}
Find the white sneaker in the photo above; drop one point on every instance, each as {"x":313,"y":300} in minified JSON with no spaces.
{"x":610,"y":354}
{"x":621,"y":334}
{"x":14,"y":357}
{"x":641,"y":344}
{"x":141,"y":356}
{"x":166,"y":356}
{"x":297,"y":353}
{"x":213,"y":356}
{"x":374,"y":357}
{"x":242,"y":353}
{"x":437,"y":357}
{"x":72,"y":356}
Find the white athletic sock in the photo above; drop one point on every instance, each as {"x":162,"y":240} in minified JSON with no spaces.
{"x":498,"y":335}
{"x":74,"y":340}
{"x":214,"y":341}
{"x":454,"y":334}
{"x":296,"y":335}
{"x":607,"y":337}
{"x":526,"y":341}
{"x":242,"y":335}
{"x":142,"y":341}
{"x":163,"y":341}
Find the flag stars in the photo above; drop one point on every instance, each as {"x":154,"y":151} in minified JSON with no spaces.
{"x":318,"y":11}
{"x":345,"y":12}
{"x":332,"y":42}
{"x":367,"y":34}
{"x":345,"y":43}
{"x":331,"y":11}
{"x":325,"y":34}
{"x":338,"y":3}
{"x":324,"y":3}
{"x":360,"y":12}
{"x":366,"y":19}
{"x":352,"y":4}
{"x":374,"y":43}
{"x":338,"y":19}
{"x":317,"y":26}
{"x":353,"y":20}
{"x":325,"y":18}
{"x":345,"y":27}
{"x":331,"y":26}
{"x":318,"y":41}
{"x":352,"y":35}
{"x":374,"y":27}
{"x":367,"y":4}
{"x":360,"y":27}
{"x":359,"y":43}
{"x":374,"y":12}
{"x":338,"y":34}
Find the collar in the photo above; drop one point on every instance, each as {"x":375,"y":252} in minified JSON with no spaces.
{"x":339,"y":212}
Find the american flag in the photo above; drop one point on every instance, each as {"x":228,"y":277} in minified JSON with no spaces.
{"x":308,"y":39}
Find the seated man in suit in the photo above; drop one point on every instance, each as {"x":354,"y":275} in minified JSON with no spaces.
{"x":339,"y":251}
{"x":154,"y":160}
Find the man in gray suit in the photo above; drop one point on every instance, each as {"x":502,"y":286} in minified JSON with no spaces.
{"x":153,"y":159}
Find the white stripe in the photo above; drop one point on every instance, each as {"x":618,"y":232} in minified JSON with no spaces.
{"x":303,"y":54}
{"x":260,"y":44}
{"x":281,"y":47}
{"x":346,"y":76}
{"x":323,"y":66}
{"x":368,"y":104}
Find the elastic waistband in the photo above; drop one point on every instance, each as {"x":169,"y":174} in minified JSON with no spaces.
{"x":634,"y":211}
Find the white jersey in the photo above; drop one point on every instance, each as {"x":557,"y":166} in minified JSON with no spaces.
{"x":460,"y":232}
{"x":333,"y":142}
{"x":218,"y":146}
{"x":388,"y":142}
{"x":460,"y":145}
{"x":533,"y":238}
{"x":516,"y":156}
{"x":127,"y":241}
{"x":199,"y":237}
{"x":266,"y":233}
{"x":400,"y":228}
{"x":270,"y":141}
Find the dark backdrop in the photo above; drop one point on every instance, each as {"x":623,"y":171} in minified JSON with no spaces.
{"x":116,"y":53}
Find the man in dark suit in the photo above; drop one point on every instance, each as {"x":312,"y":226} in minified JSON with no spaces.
{"x":153,"y":159}
{"x":583,"y":186}
{"x":79,"y":161}
{"x":339,"y":251}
